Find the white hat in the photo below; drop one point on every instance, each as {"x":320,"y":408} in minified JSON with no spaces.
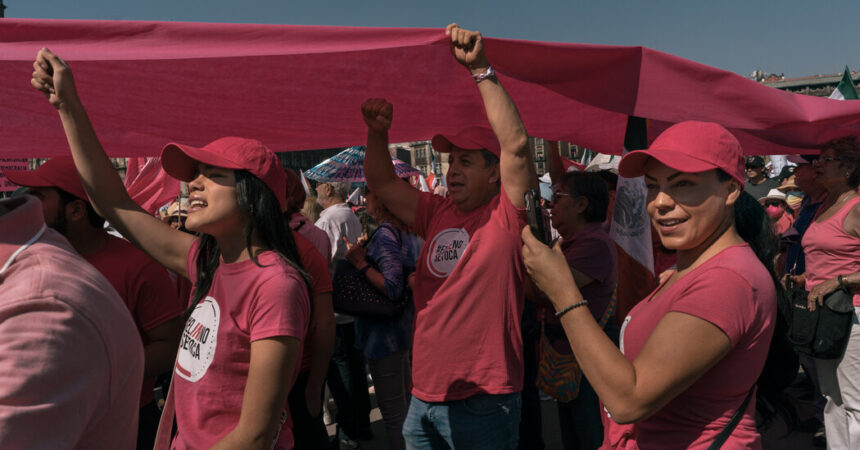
{"x":773,"y":194}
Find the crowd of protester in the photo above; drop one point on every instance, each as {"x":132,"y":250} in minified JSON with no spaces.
{"x":226,"y":299}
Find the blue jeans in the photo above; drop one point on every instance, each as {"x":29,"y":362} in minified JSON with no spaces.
{"x":488,"y":422}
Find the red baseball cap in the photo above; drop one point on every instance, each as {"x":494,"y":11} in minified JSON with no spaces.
{"x":690,"y":147}
{"x":58,"y":172}
{"x":472,"y":138}
{"x":180,"y":161}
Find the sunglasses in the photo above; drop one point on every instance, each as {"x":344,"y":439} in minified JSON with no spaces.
{"x":557,"y":194}
{"x":773,"y":203}
{"x":821,"y":161}
{"x":754,"y":167}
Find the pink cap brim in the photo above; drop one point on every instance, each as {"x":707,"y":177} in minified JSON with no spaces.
{"x":27,"y":178}
{"x":180,"y":161}
{"x":633,"y":164}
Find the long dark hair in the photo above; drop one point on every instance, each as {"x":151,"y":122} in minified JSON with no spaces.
{"x":780,"y":369}
{"x":263,"y":208}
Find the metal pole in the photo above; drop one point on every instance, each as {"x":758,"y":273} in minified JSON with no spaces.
{"x":2,"y":8}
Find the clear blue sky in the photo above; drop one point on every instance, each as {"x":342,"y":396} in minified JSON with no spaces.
{"x":794,"y":37}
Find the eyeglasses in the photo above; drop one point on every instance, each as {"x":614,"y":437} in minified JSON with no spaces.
{"x":557,"y":194}
{"x":821,"y":161}
{"x":773,"y":203}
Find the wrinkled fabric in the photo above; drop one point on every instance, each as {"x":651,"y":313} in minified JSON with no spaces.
{"x":301,"y":87}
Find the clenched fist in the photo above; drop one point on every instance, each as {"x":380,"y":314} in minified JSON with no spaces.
{"x":377,"y":113}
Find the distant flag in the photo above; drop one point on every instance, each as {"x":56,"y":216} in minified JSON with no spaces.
{"x":432,"y":162}
{"x":355,"y":197}
{"x":845,"y":90}
{"x":422,"y":184}
{"x":631,"y":231}
{"x":305,"y":183}
{"x":431,"y":180}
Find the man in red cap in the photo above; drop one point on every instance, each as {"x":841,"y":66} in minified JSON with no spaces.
{"x":467,"y":350}
{"x":144,"y":285}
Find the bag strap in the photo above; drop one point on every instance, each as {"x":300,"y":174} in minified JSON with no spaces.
{"x":165,"y":423}
{"x":736,"y":418}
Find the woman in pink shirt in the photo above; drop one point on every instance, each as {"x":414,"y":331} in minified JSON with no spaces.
{"x":249,"y":308}
{"x":832,"y":247}
{"x":691,"y":352}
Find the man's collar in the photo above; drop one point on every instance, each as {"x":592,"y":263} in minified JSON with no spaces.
{"x":20,"y":225}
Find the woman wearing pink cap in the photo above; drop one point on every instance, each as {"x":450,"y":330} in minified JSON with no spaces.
{"x":692,"y":351}
{"x":249,"y":308}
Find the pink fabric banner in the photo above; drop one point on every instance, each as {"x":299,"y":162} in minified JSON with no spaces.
{"x":300,"y":87}
{"x":10,"y":164}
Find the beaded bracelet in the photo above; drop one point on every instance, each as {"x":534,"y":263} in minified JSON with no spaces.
{"x":571,"y":308}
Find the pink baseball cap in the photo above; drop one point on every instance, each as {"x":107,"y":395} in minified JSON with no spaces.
{"x":472,"y":138}
{"x":180,"y":161}
{"x":690,"y":147}
{"x":58,"y":172}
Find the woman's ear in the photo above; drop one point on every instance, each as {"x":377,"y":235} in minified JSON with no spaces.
{"x":734,"y":191}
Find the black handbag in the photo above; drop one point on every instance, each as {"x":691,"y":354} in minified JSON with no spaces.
{"x":822,"y":333}
{"x":355,"y":296}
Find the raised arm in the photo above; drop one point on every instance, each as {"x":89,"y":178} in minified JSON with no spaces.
{"x":554,"y":164}
{"x":169,"y":247}
{"x":397,"y":195}
{"x":515,"y":163}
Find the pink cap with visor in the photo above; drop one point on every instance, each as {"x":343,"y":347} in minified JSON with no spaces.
{"x":58,"y":172}
{"x":472,"y":138}
{"x":690,"y":147}
{"x":180,"y":161}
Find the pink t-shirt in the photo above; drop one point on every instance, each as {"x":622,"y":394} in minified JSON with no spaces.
{"x":246,"y":303}
{"x":830,"y":251}
{"x":733,"y":291}
{"x":315,"y":234}
{"x":145,"y":287}
{"x":316,"y":265}
{"x":468,"y":300}
{"x":71,"y":363}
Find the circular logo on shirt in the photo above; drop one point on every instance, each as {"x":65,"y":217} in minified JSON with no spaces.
{"x":446,"y":248}
{"x":197,"y":345}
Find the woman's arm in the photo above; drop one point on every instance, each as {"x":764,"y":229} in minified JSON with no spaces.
{"x":665,"y":367}
{"x":105,"y":189}
{"x":385,"y":250}
{"x":273,"y":362}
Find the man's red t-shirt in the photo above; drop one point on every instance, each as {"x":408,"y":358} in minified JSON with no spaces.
{"x":468,"y":300}
{"x":317,"y":267}
{"x":145,"y":286}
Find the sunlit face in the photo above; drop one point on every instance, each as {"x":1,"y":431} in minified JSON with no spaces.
{"x":567,"y":212}
{"x":470,"y":181}
{"x":212,"y":205}
{"x":51,"y":206}
{"x":754,"y":172}
{"x":687,"y":209}
{"x":323,"y":192}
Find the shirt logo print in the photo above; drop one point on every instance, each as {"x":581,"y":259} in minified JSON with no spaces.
{"x":199,"y":340}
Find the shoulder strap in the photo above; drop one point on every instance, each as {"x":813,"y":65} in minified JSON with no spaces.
{"x":165,"y":424}
{"x":736,"y":418}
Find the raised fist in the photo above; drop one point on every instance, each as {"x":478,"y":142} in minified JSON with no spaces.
{"x":377,"y":113}
{"x":467,"y":47}
{"x":52,"y":76}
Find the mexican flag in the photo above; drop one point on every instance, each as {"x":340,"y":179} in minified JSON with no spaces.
{"x":845,"y":90}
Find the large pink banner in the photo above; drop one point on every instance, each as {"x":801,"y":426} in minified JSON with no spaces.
{"x":300,"y":87}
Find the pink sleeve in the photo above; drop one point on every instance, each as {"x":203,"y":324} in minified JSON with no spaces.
{"x":157,"y":299}
{"x":509,"y":216}
{"x":722,"y":297}
{"x":53,"y":376}
{"x":281,"y":307}
{"x":427,"y":205}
